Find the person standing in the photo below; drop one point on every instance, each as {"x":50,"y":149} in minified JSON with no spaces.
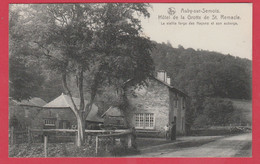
{"x":173,"y":129}
{"x":167,"y":131}
{"x":134,"y":144}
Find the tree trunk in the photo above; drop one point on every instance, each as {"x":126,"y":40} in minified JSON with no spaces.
{"x":78,"y":113}
{"x":81,"y":92}
{"x":80,"y":133}
{"x":81,"y":118}
{"x":124,"y":106}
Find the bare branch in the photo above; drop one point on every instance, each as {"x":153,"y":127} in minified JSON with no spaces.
{"x":65,"y":85}
{"x":48,"y":52}
{"x":80,"y":84}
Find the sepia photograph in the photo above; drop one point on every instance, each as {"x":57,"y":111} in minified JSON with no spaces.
{"x":130,"y":80}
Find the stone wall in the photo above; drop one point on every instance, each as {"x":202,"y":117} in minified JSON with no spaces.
{"x":178,"y":111}
{"x":153,"y":98}
{"x":159,"y":99}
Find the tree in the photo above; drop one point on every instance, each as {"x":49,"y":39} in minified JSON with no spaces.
{"x":95,"y":44}
{"x":24,"y":78}
{"x":24,"y":82}
{"x":204,"y":74}
{"x":217,"y":111}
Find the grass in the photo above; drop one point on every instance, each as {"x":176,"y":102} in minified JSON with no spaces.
{"x":54,"y":150}
{"x":68,"y":150}
{"x":243,"y":108}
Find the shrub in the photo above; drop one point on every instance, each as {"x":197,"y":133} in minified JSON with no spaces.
{"x":215,"y":112}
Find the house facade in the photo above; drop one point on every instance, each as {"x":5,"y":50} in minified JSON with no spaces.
{"x":58,"y":114}
{"x":54,"y":118}
{"x":156,"y":105}
{"x":23,"y":114}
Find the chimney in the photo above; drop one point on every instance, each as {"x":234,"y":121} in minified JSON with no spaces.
{"x":168,"y":80}
{"x":161,"y":75}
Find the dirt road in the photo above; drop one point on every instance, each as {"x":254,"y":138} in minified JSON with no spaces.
{"x":231,"y":146}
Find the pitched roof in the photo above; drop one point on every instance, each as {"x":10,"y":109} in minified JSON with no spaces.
{"x":164,"y":83}
{"x":170,"y":86}
{"x":64,"y":101}
{"x":114,"y":112}
{"x":34,"y":102}
{"x":93,"y":116}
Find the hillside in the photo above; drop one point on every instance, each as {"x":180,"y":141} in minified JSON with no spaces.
{"x":243,"y":108}
{"x":208,"y":77}
{"x":205,"y":73}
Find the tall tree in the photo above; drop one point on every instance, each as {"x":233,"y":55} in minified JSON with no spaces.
{"x":24,"y":80}
{"x":97,"y":44}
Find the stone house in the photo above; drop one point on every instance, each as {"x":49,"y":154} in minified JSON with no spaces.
{"x":57,"y":114}
{"x":23,"y":113}
{"x":155,"y":105}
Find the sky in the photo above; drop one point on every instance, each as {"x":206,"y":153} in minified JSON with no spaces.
{"x":224,"y":28}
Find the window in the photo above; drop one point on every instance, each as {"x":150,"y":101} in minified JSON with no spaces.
{"x":183,"y":103}
{"x":64,"y":124}
{"x":118,"y":122}
{"x":26,"y":113}
{"x":176,"y":103}
{"x":49,"y":122}
{"x":183,"y":123}
{"x":139,"y":120}
{"x":144,"y":120}
{"x":175,"y":100}
{"x":149,"y":120}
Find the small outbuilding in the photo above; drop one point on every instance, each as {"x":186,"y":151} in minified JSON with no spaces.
{"x":23,"y":113}
{"x":58,"y":114}
{"x":114,"y":118}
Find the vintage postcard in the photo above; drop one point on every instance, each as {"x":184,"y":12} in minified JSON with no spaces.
{"x":130,"y":80}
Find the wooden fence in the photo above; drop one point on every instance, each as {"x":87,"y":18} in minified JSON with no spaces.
{"x":18,"y":136}
{"x":124,"y":138}
{"x":103,"y":138}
